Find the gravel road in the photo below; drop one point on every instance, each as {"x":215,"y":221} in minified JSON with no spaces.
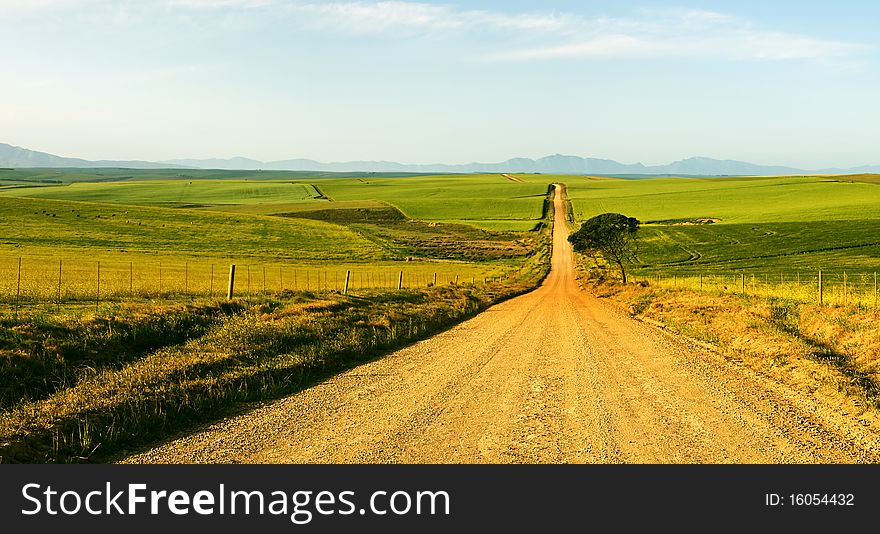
{"x":553,"y":376}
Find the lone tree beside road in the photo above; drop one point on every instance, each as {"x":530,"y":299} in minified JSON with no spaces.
{"x":611,"y":236}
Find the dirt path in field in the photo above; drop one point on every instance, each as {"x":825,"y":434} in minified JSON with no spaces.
{"x":513,"y":178}
{"x":552,"y":376}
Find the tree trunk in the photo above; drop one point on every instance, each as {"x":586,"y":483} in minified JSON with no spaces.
{"x":622,"y":270}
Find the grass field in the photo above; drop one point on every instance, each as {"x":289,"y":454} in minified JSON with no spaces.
{"x":152,"y":238}
{"x":775,"y":226}
{"x":175,"y":192}
{"x":487,"y":201}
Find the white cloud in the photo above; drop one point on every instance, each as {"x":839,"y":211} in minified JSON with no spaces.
{"x":670,"y":33}
{"x":212,"y":4}
{"x":652,"y":34}
{"x":11,"y":7}
{"x":601,"y":46}
{"x":375,"y":17}
{"x":23,"y":6}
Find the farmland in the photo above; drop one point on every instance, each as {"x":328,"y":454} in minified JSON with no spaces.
{"x":120,"y":333}
{"x":157,"y":237}
{"x":185,"y":226}
{"x":774,"y":225}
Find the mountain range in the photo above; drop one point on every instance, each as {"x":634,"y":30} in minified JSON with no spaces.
{"x":17,"y":157}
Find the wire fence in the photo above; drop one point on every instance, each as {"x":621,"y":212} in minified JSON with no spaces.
{"x":841,"y":288}
{"x":25,"y":280}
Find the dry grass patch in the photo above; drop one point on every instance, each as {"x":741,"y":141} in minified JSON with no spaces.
{"x":826,"y":351}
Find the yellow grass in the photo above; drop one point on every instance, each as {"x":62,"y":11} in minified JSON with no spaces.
{"x":139,"y":275}
{"x":818,"y":350}
{"x":838,"y":289}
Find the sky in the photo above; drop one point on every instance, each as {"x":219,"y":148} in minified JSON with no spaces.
{"x":785,"y":82}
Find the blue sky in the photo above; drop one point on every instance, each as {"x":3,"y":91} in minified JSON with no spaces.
{"x":783,"y":82}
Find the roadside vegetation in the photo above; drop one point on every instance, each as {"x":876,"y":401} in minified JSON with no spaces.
{"x":834,"y":349}
{"x":91,"y":397}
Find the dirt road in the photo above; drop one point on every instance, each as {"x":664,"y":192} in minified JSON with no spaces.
{"x":554,"y":376}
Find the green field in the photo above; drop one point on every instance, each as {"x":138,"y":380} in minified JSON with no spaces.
{"x":757,"y":225}
{"x":486,"y":201}
{"x":178,"y":236}
{"x":174,"y":192}
{"x":775,"y":225}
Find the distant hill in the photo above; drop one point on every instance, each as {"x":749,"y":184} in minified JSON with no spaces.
{"x":16,"y":157}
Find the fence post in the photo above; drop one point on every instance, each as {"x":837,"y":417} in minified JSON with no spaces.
{"x":231,"y":282}
{"x":742,"y":281}
{"x":844,"y":288}
{"x":820,"y":288}
{"x":400,"y":280}
{"x":347,"y":278}
{"x":435,"y":279}
{"x":264,"y":279}
{"x":131,"y":278}
{"x":160,"y":278}
{"x":701,"y":281}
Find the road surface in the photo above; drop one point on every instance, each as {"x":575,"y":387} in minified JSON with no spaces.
{"x":553,"y":376}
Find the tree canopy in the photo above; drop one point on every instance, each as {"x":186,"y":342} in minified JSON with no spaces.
{"x":611,"y":236}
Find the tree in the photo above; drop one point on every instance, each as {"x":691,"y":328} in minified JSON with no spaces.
{"x":611,"y":236}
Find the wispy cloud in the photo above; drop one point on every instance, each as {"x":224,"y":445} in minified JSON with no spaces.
{"x":658,"y":34}
{"x":22,"y":6}
{"x":214,"y":4}
{"x":550,"y":35}
{"x":686,"y":34}
{"x":377,"y":17}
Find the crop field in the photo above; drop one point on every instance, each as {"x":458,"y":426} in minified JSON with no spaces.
{"x":761,"y":226}
{"x":487,"y":201}
{"x":174,"y":192}
{"x":65,"y":239}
